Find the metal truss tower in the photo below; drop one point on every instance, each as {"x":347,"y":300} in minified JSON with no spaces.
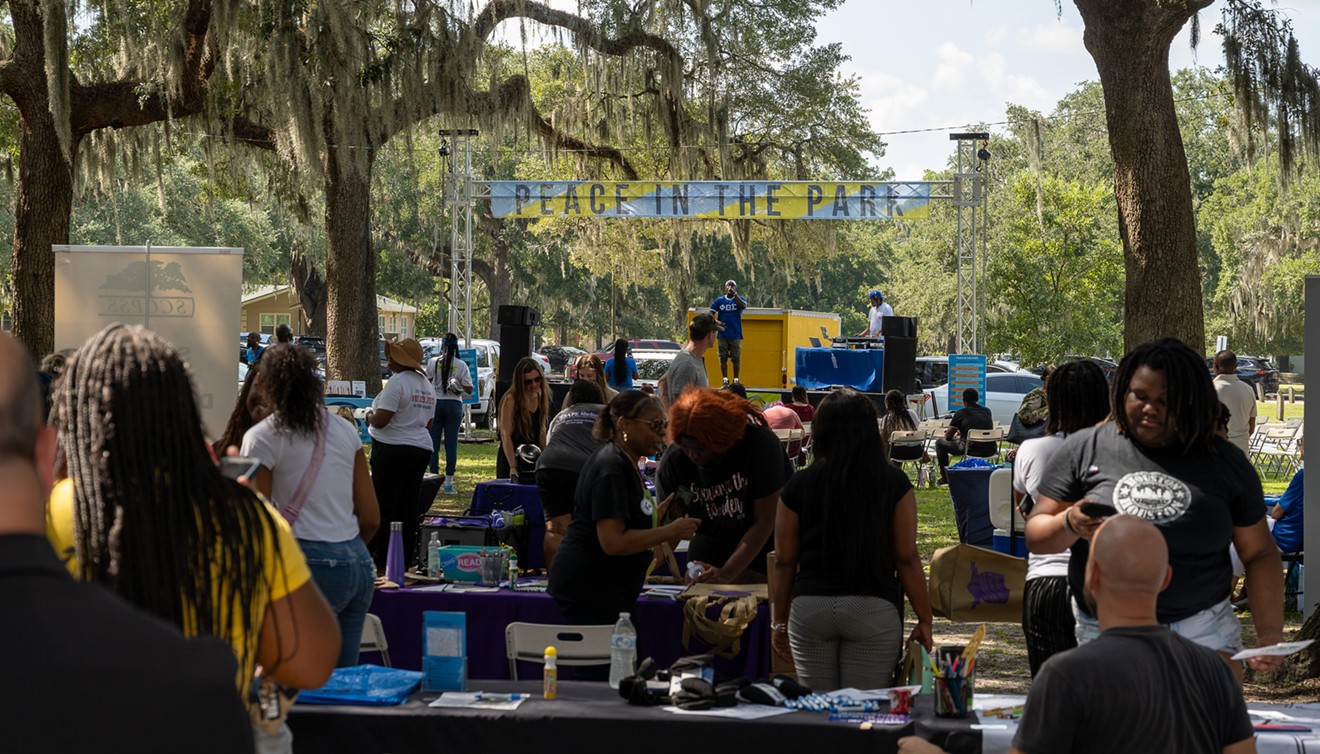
{"x":969,"y":199}
{"x":460,"y":196}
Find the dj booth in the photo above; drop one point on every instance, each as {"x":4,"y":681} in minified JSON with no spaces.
{"x":871,"y":365}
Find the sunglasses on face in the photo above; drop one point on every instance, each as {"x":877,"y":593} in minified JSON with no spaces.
{"x":534,"y":380}
{"x":658,"y":426}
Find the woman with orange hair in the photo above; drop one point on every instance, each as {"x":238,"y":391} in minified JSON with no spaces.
{"x":732,"y":467}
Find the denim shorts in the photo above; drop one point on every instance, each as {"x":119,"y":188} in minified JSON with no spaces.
{"x":1215,"y":627}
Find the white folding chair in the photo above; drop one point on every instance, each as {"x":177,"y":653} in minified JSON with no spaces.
{"x":373,"y":639}
{"x":974,"y":436}
{"x":574,"y":645}
{"x":907,"y":448}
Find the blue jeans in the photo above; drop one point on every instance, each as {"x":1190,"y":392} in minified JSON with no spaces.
{"x":448,"y":418}
{"x":346,"y":574}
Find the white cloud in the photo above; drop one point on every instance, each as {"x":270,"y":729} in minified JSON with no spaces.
{"x":953,"y":67}
{"x":1054,"y":38}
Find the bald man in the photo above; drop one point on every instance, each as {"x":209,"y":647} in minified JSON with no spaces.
{"x":1139,"y":687}
{"x":83,"y":670}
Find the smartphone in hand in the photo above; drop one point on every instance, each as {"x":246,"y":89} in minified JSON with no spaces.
{"x":239,"y":466}
{"x":1097,"y":510}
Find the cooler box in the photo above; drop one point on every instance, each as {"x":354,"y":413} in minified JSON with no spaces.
{"x":969,"y":490}
{"x":472,"y":531}
{"x":500,"y":495}
{"x":1017,"y":549}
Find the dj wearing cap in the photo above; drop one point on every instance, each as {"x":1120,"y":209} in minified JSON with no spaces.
{"x":878,"y":311}
{"x":728,"y":310}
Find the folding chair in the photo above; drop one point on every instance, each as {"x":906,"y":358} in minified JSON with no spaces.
{"x":575,"y":645}
{"x":974,"y":436}
{"x":373,"y":639}
{"x":907,"y":448}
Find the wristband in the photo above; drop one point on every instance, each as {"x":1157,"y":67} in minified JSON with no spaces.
{"x":1067,"y":523}
{"x":779,"y":628}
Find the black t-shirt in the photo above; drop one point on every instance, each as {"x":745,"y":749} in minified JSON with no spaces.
{"x":974,"y":417}
{"x":569,"y":442}
{"x":1134,"y":689}
{"x":722,"y":495}
{"x":582,"y":574}
{"x":1196,"y":500}
{"x":820,"y":571}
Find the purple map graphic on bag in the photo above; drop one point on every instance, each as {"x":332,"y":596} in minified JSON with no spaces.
{"x":987,"y":587}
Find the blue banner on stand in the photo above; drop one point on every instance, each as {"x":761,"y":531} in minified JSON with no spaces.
{"x":965,"y":370}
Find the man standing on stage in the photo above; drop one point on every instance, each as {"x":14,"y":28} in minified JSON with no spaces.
{"x":876,"y":314}
{"x":728,"y":308}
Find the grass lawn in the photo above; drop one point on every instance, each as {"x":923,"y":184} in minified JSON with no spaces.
{"x":1002,"y":663}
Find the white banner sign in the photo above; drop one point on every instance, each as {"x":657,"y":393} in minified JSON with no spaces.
{"x":188,"y":295}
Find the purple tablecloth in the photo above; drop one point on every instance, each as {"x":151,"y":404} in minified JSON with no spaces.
{"x":659,"y":629}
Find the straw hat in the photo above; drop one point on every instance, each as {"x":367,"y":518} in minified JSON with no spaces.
{"x":406,"y":352}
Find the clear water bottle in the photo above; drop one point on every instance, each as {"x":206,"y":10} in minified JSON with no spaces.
{"x":433,"y":568}
{"x":623,"y":650}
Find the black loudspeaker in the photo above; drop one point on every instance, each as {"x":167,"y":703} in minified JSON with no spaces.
{"x":515,"y":344}
{"x":900,"y":364}
{"x":518,"y":315}
{"x":903,"y":327}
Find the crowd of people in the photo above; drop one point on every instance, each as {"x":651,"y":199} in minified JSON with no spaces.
{"x":1140,"y":507}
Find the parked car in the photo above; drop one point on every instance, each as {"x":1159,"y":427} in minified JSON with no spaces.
{"x":1253,"y":370}
{"x":652,"y":365}
{"x":313,"y":343}
{"x":647,"y":344}
{"x":933,"y":371}
{"x":560,"y":357}
{"x":1003,"y":394}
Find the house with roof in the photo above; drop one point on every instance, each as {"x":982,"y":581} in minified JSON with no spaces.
{"x":266,"y":307}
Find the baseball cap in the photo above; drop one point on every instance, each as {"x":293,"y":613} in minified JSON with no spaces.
{"x":733,"y":283}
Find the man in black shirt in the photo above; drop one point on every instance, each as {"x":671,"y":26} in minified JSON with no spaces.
{"x":970,"y":416}
{"x":1139,"y":687}
{"x":84,"y":670}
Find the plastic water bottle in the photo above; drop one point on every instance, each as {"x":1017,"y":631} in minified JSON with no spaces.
{"x":513,"y":570}
{"x":623,"y":650}
{"x":433,"y":568}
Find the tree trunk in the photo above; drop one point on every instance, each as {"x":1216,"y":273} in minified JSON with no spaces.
{"x":351,"y":318}
{"x":498,"y":279}
{"x":1129,"y":40}
{"x":41,"y":218}
{"x":310,"y":289}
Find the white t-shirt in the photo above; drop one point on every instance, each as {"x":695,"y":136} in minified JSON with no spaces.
{"x":1028,"y":470}
{"x":412,"y":399}
{"x":876,"y":315}
{"x":459,"y":371}
{"x":1241,"y":402}
{"x":327,"y":513}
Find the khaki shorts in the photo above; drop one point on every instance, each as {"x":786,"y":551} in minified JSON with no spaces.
{"x":730,"y":348}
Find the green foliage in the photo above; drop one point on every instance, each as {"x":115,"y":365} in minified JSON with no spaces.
{"x":1057,"y":285}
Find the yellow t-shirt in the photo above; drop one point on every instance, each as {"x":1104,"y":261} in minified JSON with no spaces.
{"x":285,"y":575}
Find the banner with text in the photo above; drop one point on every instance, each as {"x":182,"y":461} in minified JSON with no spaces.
{"x":712,"y":200}
{"x":188,"y":295}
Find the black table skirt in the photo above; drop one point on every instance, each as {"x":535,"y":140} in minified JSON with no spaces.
{"x":591,"y":717}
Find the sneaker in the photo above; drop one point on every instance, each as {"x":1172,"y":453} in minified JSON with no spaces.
{"x":449,"y":489}
{"x":735,"y":379}
{"x":725,"y":383}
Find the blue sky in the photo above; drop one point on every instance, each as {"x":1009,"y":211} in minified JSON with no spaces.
{"x":941,"y":64}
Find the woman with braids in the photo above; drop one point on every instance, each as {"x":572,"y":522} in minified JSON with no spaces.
{"x":850,"y":521}
{"x":621,"y":369}
{"x":150,"y":517}
{"x":452,"y":381}
{"x":599,"y":568}
{"x":313,"y":469}
{"x":1160,"y":459}
{"x":731,"y":463}
{"x":523,"y":413}
{"x":588,"y":367}
{"x":1078,"y":397}
{"x":399,"y":422}
{"x":898,"y":417}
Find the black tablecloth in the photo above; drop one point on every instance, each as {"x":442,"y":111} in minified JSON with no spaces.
{"x":590,"y":717}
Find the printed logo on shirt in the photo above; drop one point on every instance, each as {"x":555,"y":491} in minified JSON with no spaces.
{"x":723,"y":500}
{"x":1152,"y":495}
